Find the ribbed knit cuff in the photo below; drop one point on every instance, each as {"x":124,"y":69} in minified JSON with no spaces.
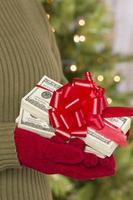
{"x":8,"y":155}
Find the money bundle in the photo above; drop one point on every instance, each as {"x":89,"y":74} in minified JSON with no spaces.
{"x":104,"y":145}
{"x":29,"y":122}
{"x":38,"y":99}
{"x":34,"y":117}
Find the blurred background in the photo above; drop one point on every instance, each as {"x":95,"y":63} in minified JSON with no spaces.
{"x":97,"y":36}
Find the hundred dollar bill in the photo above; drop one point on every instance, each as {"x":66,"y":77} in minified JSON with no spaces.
{"x":29,"y":122}
{"x":89,"y":149}
{"x":103,"y":144}
{"x":38,"y":99}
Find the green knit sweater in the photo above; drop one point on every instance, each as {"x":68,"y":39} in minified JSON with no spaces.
{"x":27,"y":51}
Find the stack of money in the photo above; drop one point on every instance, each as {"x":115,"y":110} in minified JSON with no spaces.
{"x":104,"y":146}
{"x":29,"y":122}
{"x":34,"y":108}
{"x":38,"y":99}
{"x":34,"y":117}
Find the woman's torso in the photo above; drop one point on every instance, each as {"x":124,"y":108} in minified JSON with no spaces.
{"x":26,"y":54}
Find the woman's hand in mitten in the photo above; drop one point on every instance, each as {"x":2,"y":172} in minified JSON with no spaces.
{"x":91,"y":167}
{"x":33,"y":149}
{"x":52,"y":157}
{"x":36,"y":152}
{"x":99,"y":167}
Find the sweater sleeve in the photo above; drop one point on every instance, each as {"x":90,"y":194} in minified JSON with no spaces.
{"x":8,"y":156}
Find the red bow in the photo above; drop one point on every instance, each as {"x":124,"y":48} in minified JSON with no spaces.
{"x":81,"y":105}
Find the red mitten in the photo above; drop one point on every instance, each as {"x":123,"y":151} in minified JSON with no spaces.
{"x":31,"y":147}
{"x":104,"y":167}
{"x":47,"y":156}
{"x":91,"y":167}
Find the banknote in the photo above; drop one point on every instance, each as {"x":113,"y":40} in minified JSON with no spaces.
{"x":49,"y":83}
{"x":89,"y":149}
{"x":38,"y":99}
{"x":103,"y":144}
{"x":29,"y":122}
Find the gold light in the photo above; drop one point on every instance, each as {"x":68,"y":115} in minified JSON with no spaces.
{"x":82,"y":38}
{"x":109,"y":100}
{"x":81,"y":22}
{"x":48,"y":16}
{"x":50,"y":1}
{"x":100,"y":78}
{"x":76,"y":38}
{"x":100,"y":60}
{"x":117,"y":78}
{"x":73,"y":68}
{"x":53,"y":29}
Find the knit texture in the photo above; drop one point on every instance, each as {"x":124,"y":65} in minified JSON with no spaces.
{"x":28,"y":51}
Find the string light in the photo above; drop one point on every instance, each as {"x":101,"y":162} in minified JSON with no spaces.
{"x":50,"y":1}
{"x":109,"y":100}
{"x":82,"y":38}
{"x":81,"y":22}
{"x":48,"y":16}
{"x":53,"y":29}
{"x":100,"y":78}
{"x":100,"y":60}
{"x":73,"y":68}
{"x":117,"y":78}
{"x":76,"y":38}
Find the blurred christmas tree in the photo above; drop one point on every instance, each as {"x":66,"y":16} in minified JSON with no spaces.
{"x":84,"y":30}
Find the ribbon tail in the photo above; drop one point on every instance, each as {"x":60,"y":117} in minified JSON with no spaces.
{"x":110,"y":112}
{"x":113,"y":133}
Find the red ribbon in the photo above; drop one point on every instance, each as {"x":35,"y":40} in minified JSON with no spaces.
{"x":82,"y":104}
